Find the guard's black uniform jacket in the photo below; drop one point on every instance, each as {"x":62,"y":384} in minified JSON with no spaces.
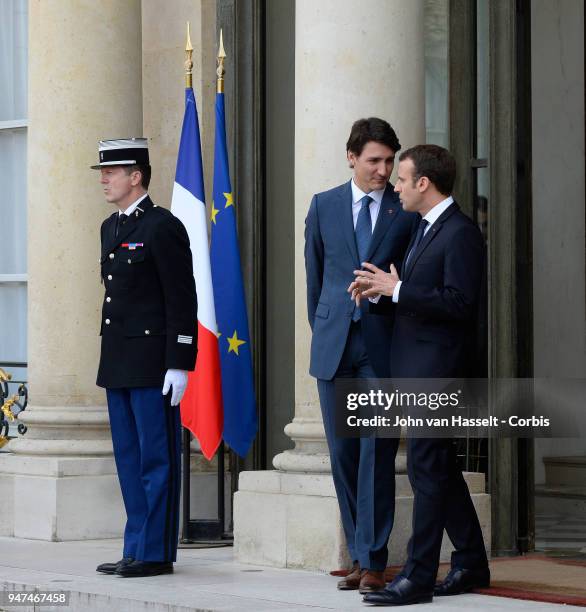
{"x":149,"y":315}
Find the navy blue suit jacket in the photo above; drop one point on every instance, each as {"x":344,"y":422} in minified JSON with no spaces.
{"x":435,"y":318}
{"x":331,"y":256}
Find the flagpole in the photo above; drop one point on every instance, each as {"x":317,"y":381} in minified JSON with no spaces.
{"x":240,"y":423}
{"x":188,"y":61}
{"x":186,"y":433}
{"x":220,"y":70}
{"x":221,"y":467}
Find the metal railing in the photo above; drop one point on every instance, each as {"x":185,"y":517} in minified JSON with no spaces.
{"x":11,"y":404}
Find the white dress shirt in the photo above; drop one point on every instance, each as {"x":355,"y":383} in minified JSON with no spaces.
{"x":431,"y":217}
{"x":374,"y":206}
{"x":133,"y":206}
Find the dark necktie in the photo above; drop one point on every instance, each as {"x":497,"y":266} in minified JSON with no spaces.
{"x":363,"y":229}
{"x":418,"y":238}
{"x":122,"y":219}
{"x":363,"y":233}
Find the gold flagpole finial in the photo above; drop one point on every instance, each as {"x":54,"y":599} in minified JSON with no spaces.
{"x":220,"y":70}
{"x":188,"y":61}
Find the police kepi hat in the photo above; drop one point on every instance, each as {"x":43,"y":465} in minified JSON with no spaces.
{"x":123,"y":152}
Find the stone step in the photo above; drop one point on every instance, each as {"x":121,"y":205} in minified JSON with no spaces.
{"x":291,"y":483}
{"x":204,"y":579}
{"x":271,"y":525}
{"x":560,"y":499}
{"x":565,"y":471}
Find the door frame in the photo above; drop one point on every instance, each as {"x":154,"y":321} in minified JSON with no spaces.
{"x":509,"y":239}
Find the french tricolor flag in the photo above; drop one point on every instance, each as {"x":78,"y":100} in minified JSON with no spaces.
{"x":201,"y":406}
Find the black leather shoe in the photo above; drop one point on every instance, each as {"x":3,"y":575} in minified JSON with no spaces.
{"x":401,"y":592}
{"x":110,"y":568}
{"x":140,"y":569}
{"x":460,"y":580}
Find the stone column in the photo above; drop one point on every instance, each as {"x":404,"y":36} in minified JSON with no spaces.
{"x":340,"y":77}
{"x":348,"y":64}
{"x":85,"y":84}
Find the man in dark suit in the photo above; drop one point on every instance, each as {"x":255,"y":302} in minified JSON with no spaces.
{"x":358,"y":221}
{"x":149,"y":342}
{"x":435,"y":299}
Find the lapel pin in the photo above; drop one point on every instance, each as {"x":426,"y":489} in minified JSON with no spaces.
{"x":390,"y":211}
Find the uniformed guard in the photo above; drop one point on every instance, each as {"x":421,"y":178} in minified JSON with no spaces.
{"x":149,"y":342}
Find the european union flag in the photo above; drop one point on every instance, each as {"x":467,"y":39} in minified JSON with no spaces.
{"x":240,"y":420}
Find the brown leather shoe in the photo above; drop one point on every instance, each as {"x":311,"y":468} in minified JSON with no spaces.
{"x":352,"y":581}
{"x":371,"y":581}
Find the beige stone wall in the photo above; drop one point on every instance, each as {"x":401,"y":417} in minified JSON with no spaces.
{"x":84,"y":84}
{"x":93,"y":69}
{"x":163,"y":84}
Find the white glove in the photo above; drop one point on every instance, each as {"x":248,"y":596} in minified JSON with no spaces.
{"x":178,"y":380}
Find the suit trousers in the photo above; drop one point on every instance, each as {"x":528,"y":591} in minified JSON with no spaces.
{"x":441,"y":501}
{"x":146,"y":435}
{"x":363,"y":469}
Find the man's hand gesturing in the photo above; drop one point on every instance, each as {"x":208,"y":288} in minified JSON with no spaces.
{"x":372,"y":281}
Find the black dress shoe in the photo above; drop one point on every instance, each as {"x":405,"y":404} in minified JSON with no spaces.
{"x":110,"y":568}
{"x":460,"y":580}
{"x":140,"y":569}
{"x":401,"y":592}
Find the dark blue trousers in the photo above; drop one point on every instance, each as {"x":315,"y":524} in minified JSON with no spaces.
{"x":363,"y":469}
{"x":442,"y":501}
{"x":146,"y":434}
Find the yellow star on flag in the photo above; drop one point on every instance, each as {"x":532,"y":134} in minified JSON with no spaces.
{"x":215,"y":212}
{"x":234,"y":342}
{"x":229,"y":200}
